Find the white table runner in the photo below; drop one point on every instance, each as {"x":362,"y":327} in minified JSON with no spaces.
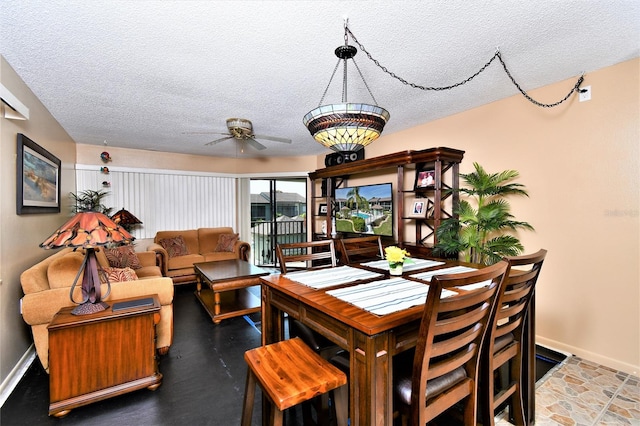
{"x":386,"y":296}
{"x":426,"y":276}
{"x":418,"y":264}
{"x":330,"y":277}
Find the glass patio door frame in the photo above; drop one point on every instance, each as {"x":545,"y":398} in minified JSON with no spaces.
{"x":266,"y":234}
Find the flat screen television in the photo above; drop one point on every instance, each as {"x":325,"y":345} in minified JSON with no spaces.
{"x":364,"y":209}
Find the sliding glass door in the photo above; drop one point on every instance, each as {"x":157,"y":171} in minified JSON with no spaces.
{"x":278,"y":215}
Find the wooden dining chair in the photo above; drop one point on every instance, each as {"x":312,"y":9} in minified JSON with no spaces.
{"x":443,"y":370}
{"x":360,"y":249}
{"x":306,"y":255}
{"x":289,"y":373}
{"x":504,"y":346}
{"x":300,"y":256}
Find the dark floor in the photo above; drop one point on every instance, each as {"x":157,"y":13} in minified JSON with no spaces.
{"x":203,"y":384}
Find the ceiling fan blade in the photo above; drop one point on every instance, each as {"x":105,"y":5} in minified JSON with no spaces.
{"x":203,"y":133}
{"x":219,"y":140}
{"x":272,"y":138}
{"x":254,"y":143}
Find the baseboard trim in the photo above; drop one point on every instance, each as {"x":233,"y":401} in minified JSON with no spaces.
{"x":18,"y":371}
{"x":589,"y":356}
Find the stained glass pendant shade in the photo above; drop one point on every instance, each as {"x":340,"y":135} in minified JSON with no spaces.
{"x":346,"y":126}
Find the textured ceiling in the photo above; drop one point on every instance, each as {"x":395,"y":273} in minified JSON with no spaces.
{"x":145,"y":74}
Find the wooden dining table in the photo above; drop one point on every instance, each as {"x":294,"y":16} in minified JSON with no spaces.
{"x":371,"y":339}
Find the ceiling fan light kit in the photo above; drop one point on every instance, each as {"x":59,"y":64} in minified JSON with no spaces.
{"x":346,"y":127}
{"x":240,"y":127}
{"x":241,"y":130}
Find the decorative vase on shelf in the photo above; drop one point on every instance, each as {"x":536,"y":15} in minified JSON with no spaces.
{"x":395,"y":268}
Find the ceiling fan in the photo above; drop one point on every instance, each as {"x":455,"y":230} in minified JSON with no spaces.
{"x":241,"y":129}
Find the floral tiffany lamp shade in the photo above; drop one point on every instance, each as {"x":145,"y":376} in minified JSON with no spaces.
{"x":88,"y":230}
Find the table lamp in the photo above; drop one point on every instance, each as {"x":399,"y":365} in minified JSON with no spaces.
{"x":125,"y":219}
{"x":88,"y":230}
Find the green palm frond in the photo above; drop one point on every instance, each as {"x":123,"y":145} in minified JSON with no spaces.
{"x":447,"y":233}
{"x":501,"y":246}
{"x":89,"y":201}
{"x":482,"y":184}
{"x":466,"y":212}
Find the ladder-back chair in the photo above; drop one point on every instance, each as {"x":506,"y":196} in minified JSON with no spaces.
{"x":360,"y":249}
{"x":444,"y":369}
{"x":505,"y":342}
{"x":300,"y":256}
{"x":310,"y":253}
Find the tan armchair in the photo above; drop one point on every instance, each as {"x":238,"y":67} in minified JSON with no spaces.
{"x":47,"y":284}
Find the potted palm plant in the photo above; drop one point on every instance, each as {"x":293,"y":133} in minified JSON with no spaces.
{"x":89,"y":201}
{"x":479,"y":229}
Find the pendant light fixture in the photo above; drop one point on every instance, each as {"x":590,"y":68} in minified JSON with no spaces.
{"x":346,"y":127}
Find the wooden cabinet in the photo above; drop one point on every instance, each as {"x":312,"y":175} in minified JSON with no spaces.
{"x":415,"y":234}
{"x":98,"y":356}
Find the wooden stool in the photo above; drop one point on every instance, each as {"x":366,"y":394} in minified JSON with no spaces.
{"x":289,"y":373}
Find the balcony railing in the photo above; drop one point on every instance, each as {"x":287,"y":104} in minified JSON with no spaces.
{"x":265,"y":236}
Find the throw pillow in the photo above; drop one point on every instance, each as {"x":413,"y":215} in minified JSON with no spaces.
{"x":117,"y":275}
{"x":226,"y":242}
{"x":174,"y":246}
{"x":122,"y":257}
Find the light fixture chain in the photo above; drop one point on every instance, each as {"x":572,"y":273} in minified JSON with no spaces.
{"x":417,"y":86}
{"x":344,"y":82}
{"x":364,"y":81}
{"x":575,"y":88}
{"x":330,"y":80}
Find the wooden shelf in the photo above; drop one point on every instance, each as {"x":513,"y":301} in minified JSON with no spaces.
{"x":444,"y":161}
{"x":390,"y":160}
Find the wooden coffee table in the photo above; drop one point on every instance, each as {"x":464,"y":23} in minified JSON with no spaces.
{"x":226,"y":294}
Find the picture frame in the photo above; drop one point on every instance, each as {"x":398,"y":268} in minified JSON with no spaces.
{"x":322,"y":210}
{"x":419,"y":208}
{"x":38,"y":175}
{"x":425,"y":179}
{"x":430,"y":209}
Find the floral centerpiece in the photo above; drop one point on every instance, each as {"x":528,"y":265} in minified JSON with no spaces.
{"x":396,"y":258}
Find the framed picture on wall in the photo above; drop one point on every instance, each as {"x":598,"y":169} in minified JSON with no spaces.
{"x":37,"y":179}
{"x":322,"y":210}
{"x":425,"y":179}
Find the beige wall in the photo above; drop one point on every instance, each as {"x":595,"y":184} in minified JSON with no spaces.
{"x":580,"y":163}
{"x":21,"y":235}
{"x":122,"y":157}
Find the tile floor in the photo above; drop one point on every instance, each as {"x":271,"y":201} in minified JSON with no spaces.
{"x":579,"y":392}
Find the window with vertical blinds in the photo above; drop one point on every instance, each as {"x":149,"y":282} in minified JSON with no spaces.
{"x":168,"y":200}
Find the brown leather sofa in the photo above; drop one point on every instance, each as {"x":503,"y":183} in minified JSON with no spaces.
{"x":198,"y":245}
{"x":46,"y":287}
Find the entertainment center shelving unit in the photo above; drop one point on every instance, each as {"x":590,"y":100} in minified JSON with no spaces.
{"x":444,"y":161}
